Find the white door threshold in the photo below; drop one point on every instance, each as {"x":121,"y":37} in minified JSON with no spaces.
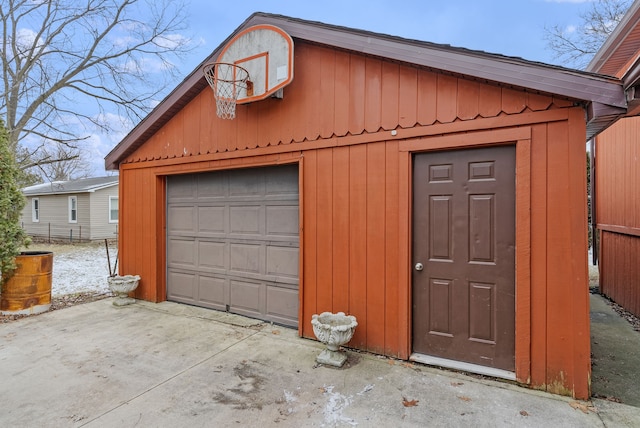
{"x":460,"y":365}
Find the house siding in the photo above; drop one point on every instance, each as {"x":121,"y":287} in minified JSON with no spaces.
{"x":99,"y":214}
{"x":335,"y":121}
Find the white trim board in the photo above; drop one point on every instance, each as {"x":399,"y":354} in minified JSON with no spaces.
{"x":460,"y":365}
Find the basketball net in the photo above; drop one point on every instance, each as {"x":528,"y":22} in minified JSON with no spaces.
{"x":227,"y":81}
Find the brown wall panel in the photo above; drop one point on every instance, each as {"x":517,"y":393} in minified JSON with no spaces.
{"x":358,"y":240}
{"x":558,"y":253}
{"x":267,"y":113}
{"x":340,"y":230}
{"x":309,"y":245}
{"x":618,"y":174}
{"x":373,"y":94}
{"x":341,"y":93}
{"x":407,"y":96}
{"x":324,"y":224}
{"x":375,"y":231}
{"x":203,"y":121}
{"x":578,"y":239}
{"x":620,"y":269}
{"x":390,"y":91}
{"x":327,"y":91}
{"x":192,"y":133}
{"x":357,"y":83}
{"x":513,"y":101}
{"x":537,"y":102}
{"x":248,"y":132}
{"x":308,"y":109}
{"x":427,"y":97}
{"x":468,"y":99}
{"x":539,"y":215}
{"x":356,"y":243}
{"x":446,"y":101}
{"x":393,"y":261}
{"x":617,"y":202}
{"x":490,"y":101}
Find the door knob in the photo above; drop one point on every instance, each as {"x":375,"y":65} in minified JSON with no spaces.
{"x":419,"y":266}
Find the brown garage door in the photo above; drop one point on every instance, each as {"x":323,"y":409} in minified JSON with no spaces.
{"x":464,"y":238}
{"x":232,"y":241}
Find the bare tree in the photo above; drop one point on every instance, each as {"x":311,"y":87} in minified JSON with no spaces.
{"x":62,"y":164}
{"x":576,"y":46}
{"x":65,"y":63}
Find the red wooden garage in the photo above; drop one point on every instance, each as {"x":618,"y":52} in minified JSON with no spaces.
{"x":436,"y":193}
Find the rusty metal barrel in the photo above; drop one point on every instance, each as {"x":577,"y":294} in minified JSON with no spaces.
{"x":28,"y":290}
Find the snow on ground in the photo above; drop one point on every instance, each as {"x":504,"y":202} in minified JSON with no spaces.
{"x":78,"y":268}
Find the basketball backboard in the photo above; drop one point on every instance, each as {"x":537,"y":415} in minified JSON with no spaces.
{"x":266,"y":52}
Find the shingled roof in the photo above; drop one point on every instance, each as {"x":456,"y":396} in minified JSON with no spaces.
{"x":85,"y":185}
{"x":603,"y":96}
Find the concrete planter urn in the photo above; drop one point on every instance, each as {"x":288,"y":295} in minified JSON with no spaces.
{"x":121,"y":286}
{"x":334,"y":330}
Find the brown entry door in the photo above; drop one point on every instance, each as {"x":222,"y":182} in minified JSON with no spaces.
{"x":464,"y":255}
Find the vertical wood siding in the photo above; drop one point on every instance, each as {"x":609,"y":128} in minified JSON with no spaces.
{"x":620,"y":269}
{"x":617,"y":204}
{"x":141,"y":233}
{"x":355,"y":195}
{"x":335,"y":94}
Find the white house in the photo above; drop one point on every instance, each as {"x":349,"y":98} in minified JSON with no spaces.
{"x":76,"y":210}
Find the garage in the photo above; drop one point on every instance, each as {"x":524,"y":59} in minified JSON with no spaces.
{"x":232,"y":241}
{"x":365,"y":173}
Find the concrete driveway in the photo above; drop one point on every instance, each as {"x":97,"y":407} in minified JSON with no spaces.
{"x":172,"y":365}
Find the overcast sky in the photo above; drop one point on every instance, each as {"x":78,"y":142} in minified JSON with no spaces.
{"x":508,"y":27}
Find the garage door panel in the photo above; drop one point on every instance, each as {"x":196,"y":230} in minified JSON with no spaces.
{"x":181,"y":253}
{"x":212,"y":185}
{"x":282,"y":181}
{"x":235,"y":233}
{"x":181,"y":220}
{"x":245,"y":258}
{"x":282,"y":305}
{"x":282,"y":261}
{"x":246,"y":297}
{"x":183,"y":286}
{"x":248,"y":182}
{"x":245,"y":220}
{"x":282,"y":220}
{"x":212,"y":219}
{"x":182,"y":188}
{"x":212,"y":255}
{"x":213,"y":291}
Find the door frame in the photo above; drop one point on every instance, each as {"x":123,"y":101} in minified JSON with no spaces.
{"x":521,"y":138}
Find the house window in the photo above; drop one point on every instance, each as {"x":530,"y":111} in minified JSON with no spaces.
{"x":35,"y":210}
{"x":113,"y":209}
{"x":73,"y":209}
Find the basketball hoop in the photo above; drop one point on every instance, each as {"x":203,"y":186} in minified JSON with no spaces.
{"x":227,"y":81}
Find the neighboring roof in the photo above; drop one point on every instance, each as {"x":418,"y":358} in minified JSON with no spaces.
{"x":85,"y":185}
{"x":620,"y":56}
{"x":621,"y":48}
{"x":603,"y":94}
